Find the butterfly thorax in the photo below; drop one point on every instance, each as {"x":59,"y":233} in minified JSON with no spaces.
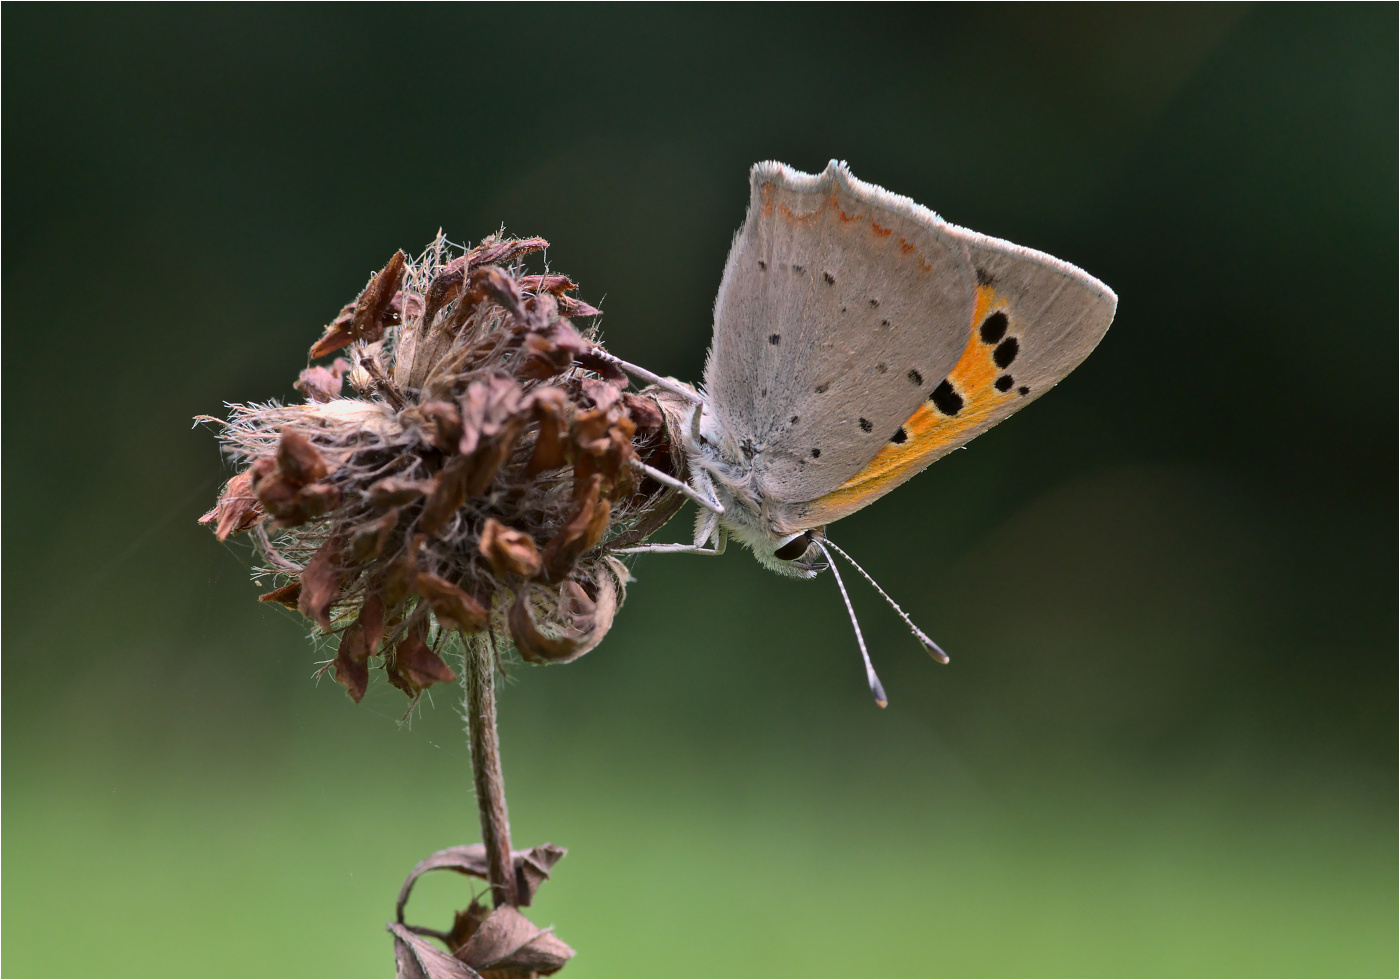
{"x":721,"y":467}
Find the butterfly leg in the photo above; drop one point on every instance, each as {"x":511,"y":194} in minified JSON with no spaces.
{"x":647,"y":376}
{"x":708,"y":502}
{"x":670,"y":549}
{"x":707,"y":529}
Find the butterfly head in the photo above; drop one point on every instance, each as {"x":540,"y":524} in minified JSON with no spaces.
{"x":720,"y":470}
{"x":797,"y":556}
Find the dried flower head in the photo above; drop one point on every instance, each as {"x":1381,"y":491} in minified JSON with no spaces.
{"x":476,"y":477}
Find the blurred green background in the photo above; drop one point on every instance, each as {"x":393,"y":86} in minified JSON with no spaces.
{"x":1166,"y":743}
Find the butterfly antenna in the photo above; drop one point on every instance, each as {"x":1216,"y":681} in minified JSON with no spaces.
{"x":919,"y":634}
{"x":876,"y":688}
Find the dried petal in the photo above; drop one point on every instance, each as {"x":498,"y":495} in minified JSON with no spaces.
{"x":601,"y":365}
{"x":404,"y":304}
{"x":603,"y":395}
{"x":401,"y":577}
{"x":552,"y":349}
{"x":532,"y":868}
{"x":509,"y":941}
{"x":414,"y":666}
{"x":465,"y":923}
{"x":351,"y":661}
{"x":286,"y":595}
{"x":322,"y":384}
{"x":415,"y":958}
{"x":444,"y":424}
{"x":547,"y":284}
{"x":393,"y":491}
{"x":449,"y":493}
{"x":609,"y":455}
{"x":644,"y":412}
{"x":320,"y":584}
{"x":453,"y":607}
{"x":494,"y":251}
{"x":569,"y":306}
{"x":298,"y":461}
{"x":373,"y":311}
{"x":337,"y":332}
{"x":551,"y":446}
{"x":486,"y":408}
{"x":587,"y":521}
{"x":371,"y":621}
{"x":315,"y":500}
{"x":495,"y":284}
{"x":238,"y":508}
{"x":444,"y":289}
{"x":488,"y":458}
{"x":510,"y":552}
{"x":367,"y":541}
{"x":590,"y":431}
{"x":582,"y":626}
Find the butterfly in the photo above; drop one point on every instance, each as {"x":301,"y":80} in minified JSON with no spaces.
{"x":858,"y":337}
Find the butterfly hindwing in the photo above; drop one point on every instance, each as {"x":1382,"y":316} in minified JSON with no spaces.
{"x":1033,"y":320}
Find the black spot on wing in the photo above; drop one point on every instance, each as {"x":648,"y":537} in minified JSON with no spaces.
{"x":816,"y":454}
{"x":945,"y":399}
{"x":773,"y":339}
{"x":994,"y":328}
{"x":900,"y":437}
{"x":881,"y":368}
{"x":1003,"y":383}
{"x":865,"y":425}
{"x":798,"y":269}
{"x":884,"y":323}
{"x":829,"y":278}
{"x":821,"y":389}
{"x":762,"y":266}
{"x":1006,"y":352}
{"x":915,"y":377}
{"x":874,"y":303}
{"x":984,"y":278}
{"x":793,"y":420}
{"x":1023,"y":391}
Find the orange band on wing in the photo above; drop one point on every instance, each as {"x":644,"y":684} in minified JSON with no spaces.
{"x":930,"y":431}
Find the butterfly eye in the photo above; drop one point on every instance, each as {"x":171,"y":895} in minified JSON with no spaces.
{"x":795,"y":548}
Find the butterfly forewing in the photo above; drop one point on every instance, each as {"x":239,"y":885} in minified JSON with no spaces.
{"x":842,"y":307}
{"x":859,"y":337}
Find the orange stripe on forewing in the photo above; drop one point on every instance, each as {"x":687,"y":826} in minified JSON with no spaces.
{"x":929,"y":430}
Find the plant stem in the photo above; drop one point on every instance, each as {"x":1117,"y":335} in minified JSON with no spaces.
{"x":479,"y":678}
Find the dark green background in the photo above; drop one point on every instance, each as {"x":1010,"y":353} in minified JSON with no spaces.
{"x":1166,"y":742}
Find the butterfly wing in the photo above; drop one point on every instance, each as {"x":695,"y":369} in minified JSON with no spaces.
{"x":1033,"y":320}
{"x":841,"y":307}
{"x":858,"y":337}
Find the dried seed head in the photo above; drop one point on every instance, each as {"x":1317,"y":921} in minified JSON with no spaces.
{"x":474,"y":481}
